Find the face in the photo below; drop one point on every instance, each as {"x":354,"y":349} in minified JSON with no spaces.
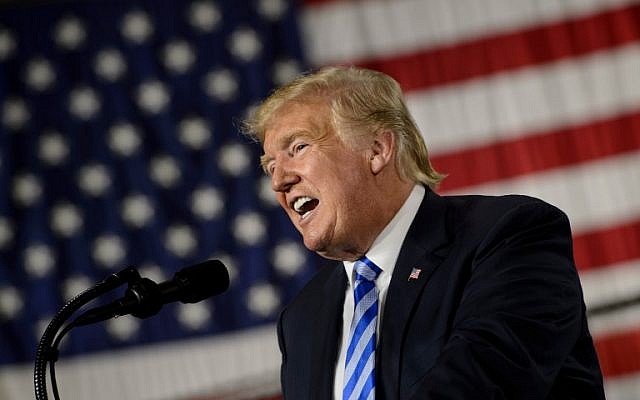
{"x":325,"y":186}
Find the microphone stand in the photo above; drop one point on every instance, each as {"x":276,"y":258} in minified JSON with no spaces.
{"x":47,"y":351}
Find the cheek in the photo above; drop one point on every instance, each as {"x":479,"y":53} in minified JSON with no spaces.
{"x":281,"y":200}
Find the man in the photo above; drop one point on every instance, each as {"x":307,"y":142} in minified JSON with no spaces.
{"x":429,"y":297}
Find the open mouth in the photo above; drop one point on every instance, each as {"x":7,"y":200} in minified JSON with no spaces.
{"x":304,"y":205}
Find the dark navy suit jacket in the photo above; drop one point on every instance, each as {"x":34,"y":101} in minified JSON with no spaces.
{"x":496,"y":313}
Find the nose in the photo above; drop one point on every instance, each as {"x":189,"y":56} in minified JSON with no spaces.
{"x":282,"y":178}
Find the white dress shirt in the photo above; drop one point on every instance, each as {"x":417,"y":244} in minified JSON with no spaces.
{"x":384,"y":253}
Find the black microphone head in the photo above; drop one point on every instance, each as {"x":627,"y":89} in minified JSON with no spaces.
{"x":201,"y":281}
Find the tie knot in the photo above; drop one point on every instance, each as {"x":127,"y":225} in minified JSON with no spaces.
{"x":366,"y":270}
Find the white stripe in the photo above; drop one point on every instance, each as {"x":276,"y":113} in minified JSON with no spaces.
{"x":512,"y":104}
{"x":598,"y":194}
{"x":625,"y":387}
{"x":193,"y":368}
{"x":372,"y":395}
{"x":246,"y":362}
{"x":362,"y":379}
{"x":359,"y":349}
{"x":365,"y":303}
{"x":344,"y":31}
{"x":611,"y":283}
{"x":625,"y":319}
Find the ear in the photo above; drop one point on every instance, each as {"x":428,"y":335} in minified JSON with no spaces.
{"x":382,"y":151}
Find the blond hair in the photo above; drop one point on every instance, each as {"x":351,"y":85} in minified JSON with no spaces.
{"x":361,"y":102}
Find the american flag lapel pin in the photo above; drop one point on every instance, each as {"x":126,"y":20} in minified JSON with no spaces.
{"x":415,"y":273}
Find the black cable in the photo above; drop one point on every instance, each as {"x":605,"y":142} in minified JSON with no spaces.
{"x":46,"y":352}
{"x":52,"y":362}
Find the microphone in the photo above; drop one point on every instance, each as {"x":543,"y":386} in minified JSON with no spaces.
{"x":145,"y":298}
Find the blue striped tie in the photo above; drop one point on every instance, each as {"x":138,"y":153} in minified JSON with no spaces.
{"x":359,"y":373}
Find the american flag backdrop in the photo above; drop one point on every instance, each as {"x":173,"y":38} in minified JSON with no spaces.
{"x":119,"y":146}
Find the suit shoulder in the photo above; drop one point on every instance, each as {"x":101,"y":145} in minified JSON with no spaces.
{"x":487,"y":210}
{"x":489,"y":218}
{"x":484,"y":203}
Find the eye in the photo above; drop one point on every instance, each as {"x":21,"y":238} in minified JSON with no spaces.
{"x":299,"y":147}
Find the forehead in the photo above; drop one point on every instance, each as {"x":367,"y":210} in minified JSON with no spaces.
{"x":293,"y":121}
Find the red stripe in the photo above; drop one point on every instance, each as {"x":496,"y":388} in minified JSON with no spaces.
{"x":533,"y":46}
{"x":539,"y":152}
{"x":607,"y":246}
{"x":619,"y":353}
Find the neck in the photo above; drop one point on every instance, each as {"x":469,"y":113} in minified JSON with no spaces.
{"x":393,"y":198}
{"x":388,"y":202}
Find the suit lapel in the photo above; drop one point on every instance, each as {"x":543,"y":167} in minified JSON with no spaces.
{"x":423,"y":249}
{"x":328,"y":326}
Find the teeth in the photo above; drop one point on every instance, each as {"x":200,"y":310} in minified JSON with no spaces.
{"x":300,"y":202}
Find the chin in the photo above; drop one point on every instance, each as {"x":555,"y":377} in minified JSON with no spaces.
{"x":312,"y":246}
{"x":317,"y":246}
{"x":325,"y":250}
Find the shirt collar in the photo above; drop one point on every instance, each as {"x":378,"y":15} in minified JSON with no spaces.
{"x":386,"y":247}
